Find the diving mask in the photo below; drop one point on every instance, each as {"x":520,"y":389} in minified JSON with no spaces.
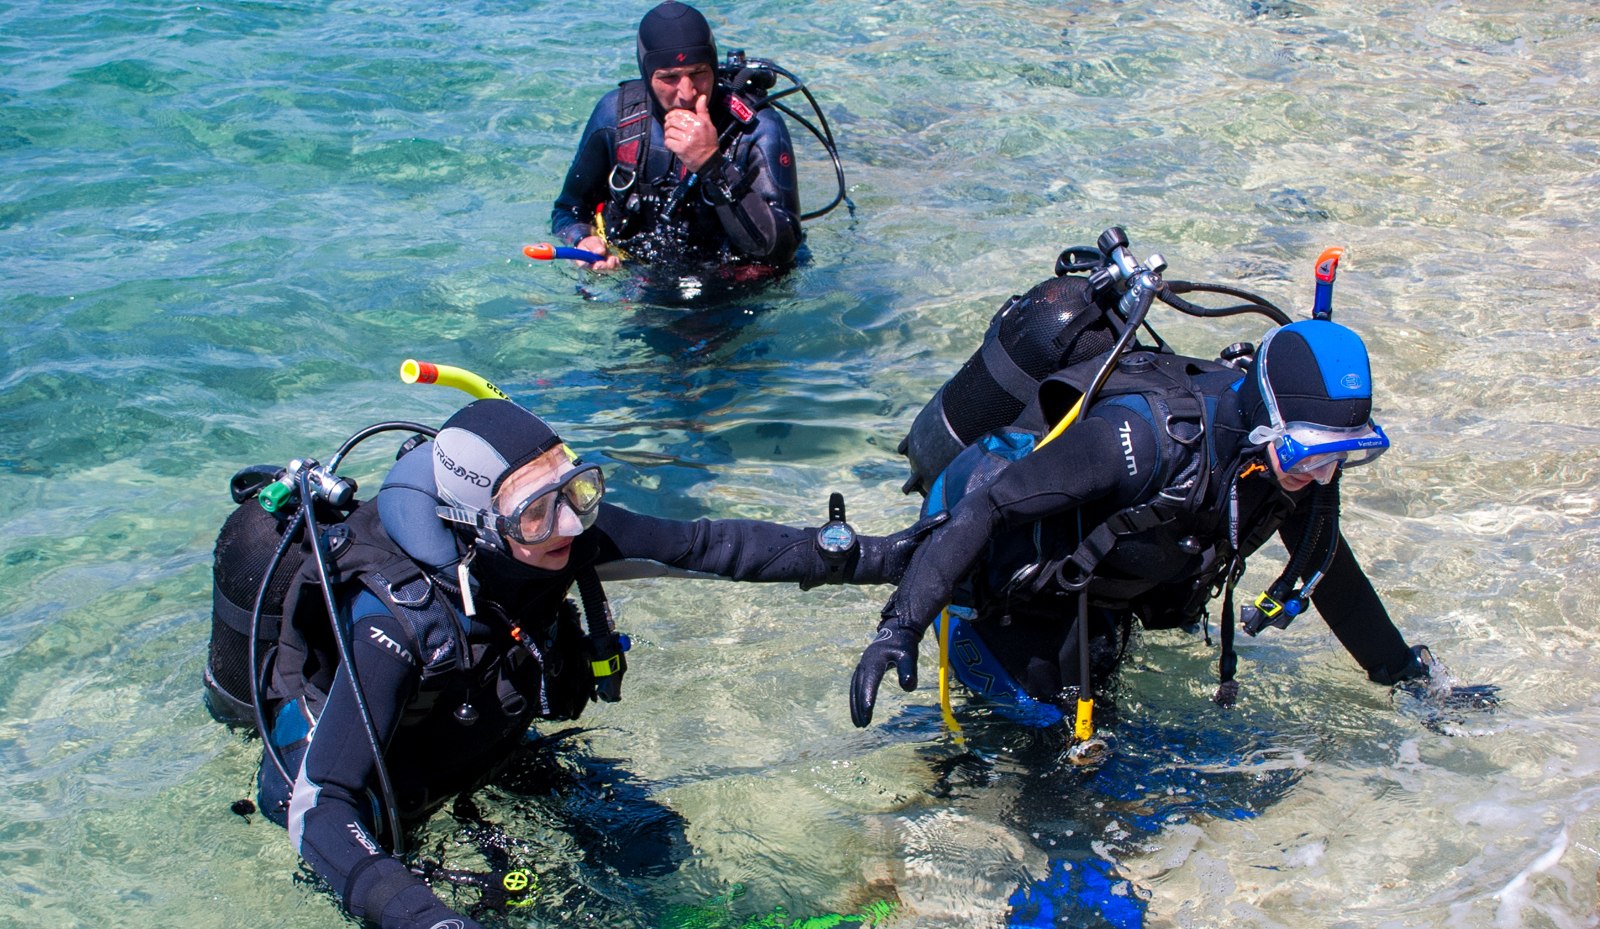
{"x":537,"y":516}
{"x":1304,"y":448}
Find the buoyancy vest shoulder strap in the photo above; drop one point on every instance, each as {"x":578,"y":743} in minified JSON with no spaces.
{"x":1178,"y":415}
{"x":633,"y":138}
{"x":360,"y":552}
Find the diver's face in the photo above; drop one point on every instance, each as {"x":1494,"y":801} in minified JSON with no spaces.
{"x":679,"y":88}
{"x":553,"y":553}
{"x":1294,"y":482}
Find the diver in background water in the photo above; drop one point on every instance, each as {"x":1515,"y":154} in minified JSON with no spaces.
{"x":680,"y":167}
{"x":454,"y":629}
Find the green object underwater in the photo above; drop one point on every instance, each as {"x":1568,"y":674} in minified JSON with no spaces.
{"x":716,"y":913}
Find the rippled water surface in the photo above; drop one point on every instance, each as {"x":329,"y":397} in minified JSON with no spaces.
{"x":223,"y":227}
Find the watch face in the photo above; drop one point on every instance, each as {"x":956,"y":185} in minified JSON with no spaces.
{"x":836,"y":537}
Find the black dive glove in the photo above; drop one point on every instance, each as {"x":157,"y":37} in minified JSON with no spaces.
{"x":1432,"y":694}
{"x":895,"y":644}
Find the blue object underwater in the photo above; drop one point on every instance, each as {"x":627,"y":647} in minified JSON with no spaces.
{"x":1194,"y":766}
{"x":1072,"y":892}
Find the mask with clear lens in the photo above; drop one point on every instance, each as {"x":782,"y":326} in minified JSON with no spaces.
{"x":535,"y":518}
{"x":1306,"y":447}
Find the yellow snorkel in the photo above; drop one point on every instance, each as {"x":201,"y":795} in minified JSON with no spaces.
{"x":422,"y":372}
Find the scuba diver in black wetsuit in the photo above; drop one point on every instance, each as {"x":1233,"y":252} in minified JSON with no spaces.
{"x":454,"y":630}
{"x":683,"y":166}
{"x":1177,"y":470}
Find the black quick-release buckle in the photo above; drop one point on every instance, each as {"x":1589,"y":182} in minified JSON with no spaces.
{"x":1134,"y":519}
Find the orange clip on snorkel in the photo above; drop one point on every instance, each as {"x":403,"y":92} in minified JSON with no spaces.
{"x":1327,"y":268}
{"x":421,"y":372}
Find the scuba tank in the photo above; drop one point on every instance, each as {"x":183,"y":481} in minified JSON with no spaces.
{"x":1063,"y":322}
{"x":1054,"y":325}
{"x":259,"y":551}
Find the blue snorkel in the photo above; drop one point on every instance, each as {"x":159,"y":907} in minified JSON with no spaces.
{"x":1279,"y":604}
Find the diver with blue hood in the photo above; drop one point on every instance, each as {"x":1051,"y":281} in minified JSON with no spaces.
{"x":691,"y":162}
{"x":455,"y":632}
{"x":1174,"y":470}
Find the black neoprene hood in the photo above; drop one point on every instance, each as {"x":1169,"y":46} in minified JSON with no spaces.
{"x":1299,"y":382}
{"x":674,"y":35}
{"x":483,"y":443}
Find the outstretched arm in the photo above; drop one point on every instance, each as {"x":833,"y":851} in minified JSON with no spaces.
{"x":1351,"y":607}
{"x":632,"y":545}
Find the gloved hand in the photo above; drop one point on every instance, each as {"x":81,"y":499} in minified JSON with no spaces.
{"x":895,"y":644}
{"x":1432,"y":694}
{"x":895,"y":551}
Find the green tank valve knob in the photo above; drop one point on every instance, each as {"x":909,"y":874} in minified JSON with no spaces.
{"x":275,"y":496}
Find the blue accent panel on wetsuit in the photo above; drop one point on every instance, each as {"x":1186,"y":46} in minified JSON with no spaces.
{"x":980,"y":672}
{"x":1076,"y":888}
{"x":367,"y":603}
{"x":956,"y":480}
{"x":290,"y":726}
{"x":1009,"y":445}
{"x":1341,"y":355}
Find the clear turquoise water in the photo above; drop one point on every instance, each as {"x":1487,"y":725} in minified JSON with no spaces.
{"x":223,"y":227}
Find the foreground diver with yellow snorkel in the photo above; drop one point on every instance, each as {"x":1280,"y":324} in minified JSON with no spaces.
{"x":454,"y":633}
{"x":1162,"y":475}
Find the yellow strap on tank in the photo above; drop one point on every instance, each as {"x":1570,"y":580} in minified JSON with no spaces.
{"x":1083,"y":727}
{"x":944,"y":678}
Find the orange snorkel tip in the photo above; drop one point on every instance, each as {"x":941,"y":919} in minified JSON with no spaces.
{"x":413,"y":371}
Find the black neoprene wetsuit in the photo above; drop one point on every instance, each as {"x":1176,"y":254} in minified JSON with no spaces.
{"x":1042,"y":505}
{"x":744,"y":203}
{"x":430,"y":754}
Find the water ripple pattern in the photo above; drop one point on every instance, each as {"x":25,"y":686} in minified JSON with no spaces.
{"x":224,"y":225}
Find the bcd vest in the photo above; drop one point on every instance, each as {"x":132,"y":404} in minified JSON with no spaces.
{"x":1129,"y":557}
{"x":296,"y":653}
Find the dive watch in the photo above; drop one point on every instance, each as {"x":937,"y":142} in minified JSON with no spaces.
{"x":837,"y":541}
